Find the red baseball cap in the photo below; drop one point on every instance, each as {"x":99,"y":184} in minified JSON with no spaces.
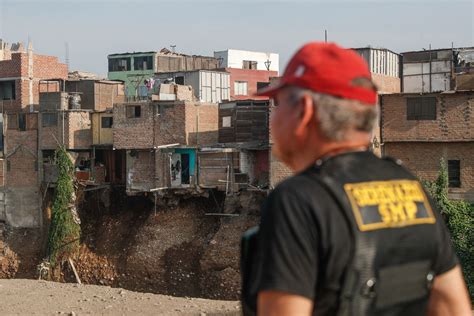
{"x":330,"y":69}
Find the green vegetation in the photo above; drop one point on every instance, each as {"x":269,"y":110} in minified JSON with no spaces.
{"x":64,"y":231}
{"x":459,"y":216}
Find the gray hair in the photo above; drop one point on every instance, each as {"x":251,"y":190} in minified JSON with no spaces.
{"x":339,"y":116}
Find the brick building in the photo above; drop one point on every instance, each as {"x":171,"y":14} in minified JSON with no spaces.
{"x":20,"y":194}
{"x":97,"y":95}
{"x":385,"y":67}
{"x":21,"y":72}
{"x":20,"y":76}
{"x":161,"y":139}
{"x":244,"y":83}
{"x":422,"y":129}
{"x":66,"y":118}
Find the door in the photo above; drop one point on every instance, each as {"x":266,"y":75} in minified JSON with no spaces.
{"x":175,"y":170}
{"x":185,"y":169}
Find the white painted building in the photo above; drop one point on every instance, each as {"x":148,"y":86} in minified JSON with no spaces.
{"x":208,"y":86}
{"x":427,"y":71}
{"x":381,"y":60}
{"x":242,"y":59}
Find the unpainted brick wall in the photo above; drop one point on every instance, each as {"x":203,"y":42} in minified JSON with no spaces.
{"x":13,"y":67}
{"x":454,"y":119}
{"x":140,"y":170}
{"x":170,"y":125}
{"x":44,"y":67}
{"x":202,"y":123}
{"x":386,"y":84}
{"x":51,"y":135}
{"x":107,"y":94}
{"x":21,"y":148}
{"x":79,"y":130}
{"x":133,"y":133}
{"x":423,"y":159}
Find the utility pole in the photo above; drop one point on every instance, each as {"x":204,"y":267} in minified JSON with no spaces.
{"x":325,"y":36}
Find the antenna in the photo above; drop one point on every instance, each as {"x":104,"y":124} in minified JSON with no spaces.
{"x":326,"y":36}
{"x":267,"y":64}
{"x":173,"y":48}
{"x":2,"y":17}
{"x":66,"y":58}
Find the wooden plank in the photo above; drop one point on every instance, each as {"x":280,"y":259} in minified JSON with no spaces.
{"x":71,"y":263}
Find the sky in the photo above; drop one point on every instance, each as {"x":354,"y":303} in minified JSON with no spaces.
{"x":94,"y":29}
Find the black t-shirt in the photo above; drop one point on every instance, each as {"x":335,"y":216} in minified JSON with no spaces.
{"x":305,"y":241}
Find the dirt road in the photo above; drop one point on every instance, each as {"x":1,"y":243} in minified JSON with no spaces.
{"x":48,"y":298}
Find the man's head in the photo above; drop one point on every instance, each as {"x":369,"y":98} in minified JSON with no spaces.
{"x":325,"y":102}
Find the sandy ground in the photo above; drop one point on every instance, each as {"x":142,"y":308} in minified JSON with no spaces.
{"x":31,"y":297}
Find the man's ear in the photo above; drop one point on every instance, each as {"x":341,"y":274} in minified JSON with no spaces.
{"x":306,"y":112}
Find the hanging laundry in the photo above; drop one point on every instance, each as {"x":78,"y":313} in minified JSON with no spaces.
{"x":149,"y":83}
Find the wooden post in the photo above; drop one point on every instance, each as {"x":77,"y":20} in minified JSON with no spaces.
{"x":71,"y":263}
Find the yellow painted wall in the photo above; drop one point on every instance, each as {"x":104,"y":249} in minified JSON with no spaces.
{"x":101,"y":136}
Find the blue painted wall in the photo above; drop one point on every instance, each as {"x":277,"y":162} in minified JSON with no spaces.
{"x":192,"y":158}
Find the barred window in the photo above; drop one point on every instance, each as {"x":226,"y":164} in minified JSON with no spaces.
{"x":421,"y":108}
{"x":454,"y":173}
{"x":49,"y":119}
{"x":106,"y":122}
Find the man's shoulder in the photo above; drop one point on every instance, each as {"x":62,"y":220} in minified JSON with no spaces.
{"x":299,"y":184}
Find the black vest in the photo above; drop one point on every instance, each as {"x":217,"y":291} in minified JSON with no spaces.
{"x":391,"y":221}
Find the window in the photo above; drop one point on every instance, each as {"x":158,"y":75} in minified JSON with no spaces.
{"x":240,"y":88}
{"x":22,"y":121}
{"x":106,"y":122}
{"x":48,"y":156}
{"x":179,"y":80}
{"x":12,"y":121}
{"x":7,"y":90}
{"x":454,"y":173}
{"x":49,"y":119}
{"x":261,"y":85}
{"x":143,"y":63}
{"x":226,"y":121}
{"x":250,"y":64}
{"x":120,"y":64}
{"x":134,"y":111}
{"x":421,"y":108}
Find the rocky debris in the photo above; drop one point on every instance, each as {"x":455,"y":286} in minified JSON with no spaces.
{"x":220,"y":262}
{"x":20,"y":252}
{"x":177,"y":251}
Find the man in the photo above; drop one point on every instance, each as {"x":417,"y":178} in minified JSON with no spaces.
{"x":349,"y":234}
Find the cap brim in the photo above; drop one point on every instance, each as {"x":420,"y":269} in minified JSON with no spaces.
{"x":270,"y":90}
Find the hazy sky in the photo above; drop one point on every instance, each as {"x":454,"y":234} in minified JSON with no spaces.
{"x":94,"y":29}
